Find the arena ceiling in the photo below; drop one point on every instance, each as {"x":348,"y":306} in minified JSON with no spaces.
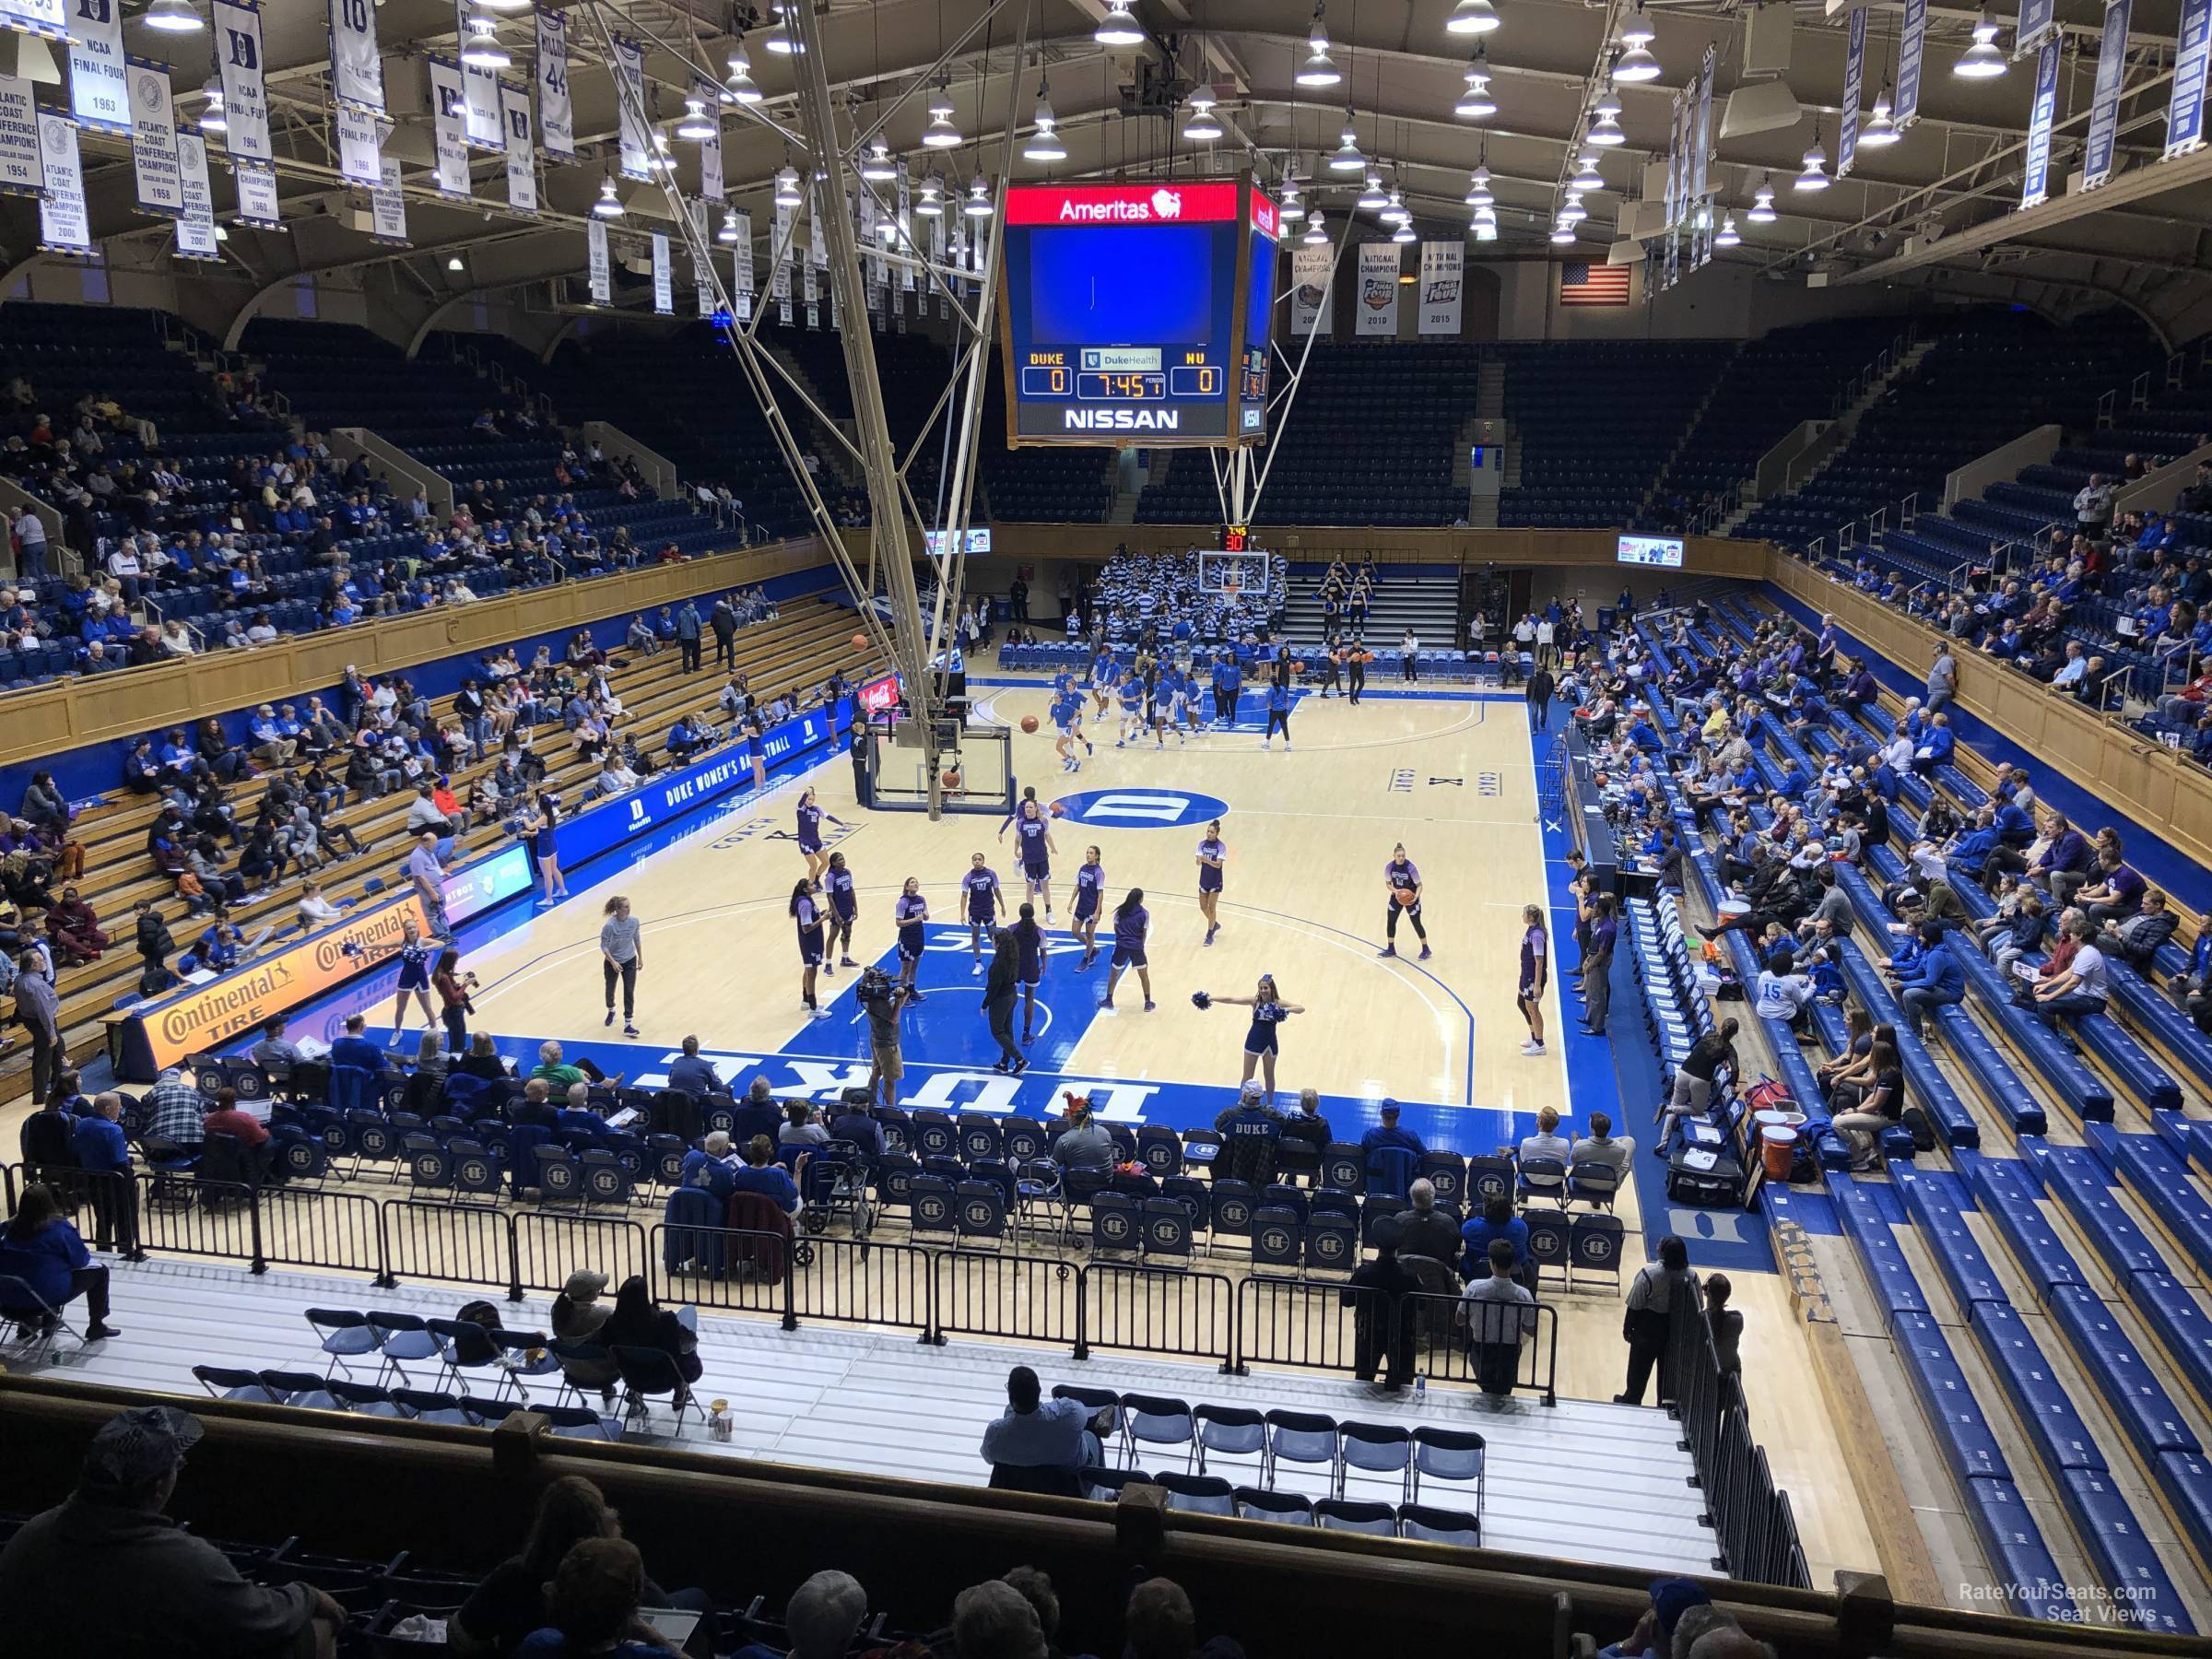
{"x":1938,"y":207}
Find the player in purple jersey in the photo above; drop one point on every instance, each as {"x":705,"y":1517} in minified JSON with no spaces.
{"x":983,"y":901}
{"x":1029,"y":940}
{"x":845,"y":910}
{"x":1213,"y":853}
{"x":1033,"y":837}
{"x":1131,"y":924}
{"x":1402,"y":880}
{"x":910,"y":911}
{"x":1535,"y":969}
{"x":806,"y":911}
{"x":810,"y":817}
{"x":1090,"y":890}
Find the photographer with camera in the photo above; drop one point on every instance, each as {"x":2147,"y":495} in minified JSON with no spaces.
{"x":883,"y":1001}
{"x":455,"y":1003}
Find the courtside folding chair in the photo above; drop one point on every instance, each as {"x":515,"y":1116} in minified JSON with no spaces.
{"x":1339,"y":1514}
{"x":403,"y":1339}
{"x":1198,"y":1494}
{"x":429,"y":1406}
{"x":1451,"y":1455}
{"x":1308,"y":1438}
{"x":463,"y":1347}
{"x":523,"y":1356}
{"x":230,"y":1382}
{"x":577,"y":1422}
{"x":1373,"y":1448}
{"x":346,"y":1335}
{"x":1287,"y":1508}
{"x":1157,"y":1420}
{"x":1439,"y":1526}
{"x":1105,"y":1485}
{"x":303,"y":1389}
{"x":1230,"y":1431}
{"x":647,"y":1373}
{"x":366,"y":1398}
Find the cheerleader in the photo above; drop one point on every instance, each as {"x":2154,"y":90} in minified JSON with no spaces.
{"x":1033,"y":836}
{"x":1402,"y":878}
{"x":845,"y":910}
{"x":806,"y":911}
{"x":810,"y":833}
{"x":414,"y":981}
{"x":1213,"y":853}
{"x":984,"y":901}
{"x":1091,"y":887}
{"x":545,"y":847}
{"x":1268,"y":1011}
{"x":910,"y":912}
{"x":1132,"y":923}
{"x":756,"y":750}
{"x":1028,"y":940}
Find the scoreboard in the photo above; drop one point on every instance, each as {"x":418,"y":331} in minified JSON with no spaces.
{"x":1137,"y":313}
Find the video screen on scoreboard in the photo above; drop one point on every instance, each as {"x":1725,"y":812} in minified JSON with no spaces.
{"x":1259,"y":317}
{"x":1665,"y":551}
{"x":1120,"y":310}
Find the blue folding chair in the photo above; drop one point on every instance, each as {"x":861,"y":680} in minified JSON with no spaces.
{"x":1285,"y":1509}
{"x":346,"y":1335}
{"x":1105,"y":1485}
{"x":647,"y":1374}
{"x":1594,"y":1245}
{"x":366,"y":1399}
{"x":1279,"y":1239}
{"x":1157,"y":1420}
{"x":1198,"y":1494}
{"x":1450,"y":1454}
{"x":1114,"y":1230}
{"x":403,"y":1339}
{"x":1428,"y":1525}
{"x":1592,"y":1184}
{"x":464,"y":1348}
{"x":1390,"y":1170}
{"x":1488,"y":1178}
{"x":1307,"y":1438}
{"x":233,"y":1382}
{"x":1230,"y":1431}
{"x":577,"y":1422}
{"x":1540,"y":1178}
{"x":429,"y":1406}
{"x":1233,"y":1204}
{"x":1546,"y":1242}
{"x":1372,"y":1449}
{"x":303,"y":1389}
{"x":1340,"y":1515}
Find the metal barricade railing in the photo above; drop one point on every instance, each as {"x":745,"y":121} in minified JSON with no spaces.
{"x":1016,"y":1298}
{"x":300,"y":1228}
{"x":190,"y":1217}
{"x":457,"y":1243}
{"x":1752,"y":1520}
{"x":1158,"y":1311}
{"x":549,"y":1246}
{"x":1307,"y":1324}
{"x":729,"y":1270}
{"x":849,"y":1281}
{"x":1500,"y":1346}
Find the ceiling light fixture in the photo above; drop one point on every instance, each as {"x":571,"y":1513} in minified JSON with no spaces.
{"x":1475,"y":103}
{"x":1045,"y":144}
{"x":1316,"y":232}
{"x":1200,"y":126}
{"x":1119,"y":27}
{"x":787,"y":185}
{"x":454,"y":264}
{"x":728,"y":234}
{"x":1586,"y":176}
{"x":1726,"y":238}
{"x":1815,"y":176}
{"x":1762,"y":202}
{"x":1346,"y":158}
{"x":1572,"y":212}
{"x":877,"y":168}
{"x":211,"y":117}
{"x":740,"y":83}
{"x":1393,"y":212}
{"x":781,"y":39}
{"x":1287,"y":206}
{"x":1606,"y":130}
{"x":931,"y":205}
{"x":978,"y":204}
{"x":697,"y":126}
{"x":940,"y":134}
{"x":1982,"y":61}
{"x":609,"y":205}
{"x":1562,"y":234}
{"x":483,"y":50}
{"x":172,"y":16}
{"x":1317,"y":71}
{"x":1881,"y":127}
{"x":1372,"y":199}
{"x":1472,"y":17}
{"x":1636,"y":66}
{"x":1478,"y":188}
{"x":1404,"y":233}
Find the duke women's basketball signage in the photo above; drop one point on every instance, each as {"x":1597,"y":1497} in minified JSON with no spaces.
{"x":1139,"y":808}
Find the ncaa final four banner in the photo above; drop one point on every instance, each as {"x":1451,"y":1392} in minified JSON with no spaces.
{"x":245,"y":94}
{"x":1310,"y":290}
{"x":1443,"y":280}
{"x":99,"y":92}
{"x":1378,"y":291}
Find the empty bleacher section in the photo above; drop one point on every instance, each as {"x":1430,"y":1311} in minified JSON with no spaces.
{"x":1424,"y":598}
{"x":1597,"y":422}
{"x":1039,"y":484}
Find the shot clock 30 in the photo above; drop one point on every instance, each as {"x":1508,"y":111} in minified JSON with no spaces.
{"x":1137,"y":313}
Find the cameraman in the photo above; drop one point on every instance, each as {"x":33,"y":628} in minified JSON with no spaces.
{"x":882,"y":1000}
{"x":453,"y":1003}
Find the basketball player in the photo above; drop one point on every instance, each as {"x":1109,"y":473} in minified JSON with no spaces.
{"x":1268,"y":1011}
{"x":1090,"y":888}
{"x":910,"y":911}
{"x":1028,"y":940}
{"x":984,"y":901}
{"x":806,"y":911}
{"x":810,"y":833}
{"x":1228,"y":680}
{"x":1131,"y":924}
{"x":414,"y":980}
{"x":1033,"y":836}
{"x":1403,"y":878}
{"x":1332,"y":662}
{"x":1213,"y":853}
{"x":845,"y":910}
{"x":1182,"y":704}
{"x":1067,"y":720}
{"x":1279,"y":704}
{"x":1535,"y":968}
{"x":1102,"y":677}
{"x":1132,"y":695}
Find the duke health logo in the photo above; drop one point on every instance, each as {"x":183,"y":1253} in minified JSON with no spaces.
{"x":1140,"y":808}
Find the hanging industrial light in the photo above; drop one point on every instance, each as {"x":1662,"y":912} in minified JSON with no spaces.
{"x":1317,"y":71}
{"x":1982,"y":61}
{"x":1636,"y":61}
{"x":1478,"y":188}
{"x":1475,"y":103}
{"x":1726,"y":238}
{"x":978,"y":204}
{"x":728,"y":234}
{"x":1605,"y":129}
{"x":877,"y":167}
{"x":1346,"y":158}
{"x":1472,"y":17}
{"x":1289,"y":207}
{"x":1586,"y":176}
{"x":1815,"y":176}
{"x":1393,"y":210}
{"x":1372,"y":199}
{"x":940,"y":134}
{"x":1404,"y":233}
{"x":453,"y":264}
{"x":787,"y":185}
{"x":1317,"y":233}
{"x":931,"y":205}
{"x":1762,"y":211}
{"x":1045,"y":144}
{"x":740,"y":82}
{"x":211,"y":117}
{"x":1562,"y":234}
{"x":609,"y":205}
{"x":782,"y":40}
{"x":172,"y":16}
{"x":1572,"y":212}
{"x":1881,"y":125}
{"x":697,"y":126}
{"x":482,"y":49}
{"x":1200,"y":126}
{"x":1119,"y":27}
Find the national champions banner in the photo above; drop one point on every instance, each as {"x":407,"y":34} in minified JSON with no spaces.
{"x":1378,"y":291}
{"x":1443,"y":281}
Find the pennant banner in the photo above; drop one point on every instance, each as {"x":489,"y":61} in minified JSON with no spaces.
{"x":258,"y":202}
{"x":361,"y":161}
{"x":2193,"y":54}
{"x":630,"y":109}
{"x":1308,"y":287}
{"x":154,"y":140}
{"x":741,"y":265}
{"x":1855,"y":84}
{"x":2042,"y":116}
{"x":1378,"y":291}
{"x":21,"y":170}
{"x":100,"y":88}
{"x":664,"y":291}
{"x":196,"y":225}
{"x":1444,"y":279}
{"x":937,"y":257}
{"x":711,"y":184}
{"x":449,"y":129}
{"x":388,"y":208}
{"x":522,"y":153}
{"x":779,"y":270}
{"x":1912,"y":46}
{"x":245,"y":96}
{"x":65,"y":225}
{"x":357,"y":73}
{"x":603,"y":282}
{"x":556,"y":115}
{"x":47,"y":18}
{"x":2104,"y":103}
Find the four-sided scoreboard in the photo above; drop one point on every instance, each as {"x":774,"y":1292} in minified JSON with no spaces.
{"x":1137,"y":313}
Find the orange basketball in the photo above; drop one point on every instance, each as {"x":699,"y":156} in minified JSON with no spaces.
{"x":952,"y":777}
{"x":1403,"y":894}
{"x":1057,"y":809}
{"x":1298,"y":668}
{"x":1028,"y":723}
{"x":860,"y":642}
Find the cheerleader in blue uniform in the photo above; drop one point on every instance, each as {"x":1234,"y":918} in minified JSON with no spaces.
{"x":1268,"y":1011}
{"x":414,"y":980}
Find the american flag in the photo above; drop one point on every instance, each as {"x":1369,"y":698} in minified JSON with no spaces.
{"x":1593,"y":285}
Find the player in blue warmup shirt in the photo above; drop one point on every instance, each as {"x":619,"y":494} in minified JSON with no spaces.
{"x":1091,"y":887}
{"x":983,"y":901}
{"x":845,"y":910}
{"x":1033,"y":836}
{"x":1103,"y":674}
{"x":1028,"y":941}
{"x":1213,"y":853}
{"x":810,"y":815}
{"x":1278,"y":705}
{"x":1132,"y":695}
{"x":1268,"y":1011}
{"x":1067,"y":720}
{"x":910,"y":912}
{"x":1131,"y":924}
{"x":806,"y":911}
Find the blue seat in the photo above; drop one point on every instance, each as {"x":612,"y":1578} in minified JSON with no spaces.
{"x":1022,"y":1139}
{"x":577,"y":1422}
{"x":559,"y":1175}
{"x":430,"y":1166}
{"x":1105,"y":1485}
{"x":1548,"y":1242}
{"x":1307,"y":1438}
{"x":1427,"y":1526}
{"x":1390,"y":1171}
{"x":692,"y":1236}
{"x":1198,"y":1494}
{"x":303,"y":1389}
{"x":1339,"y":1514}
{"x":1115,"y":1228}
{"x":344,"y":1334}
{"x":429,"y":1406}
{"x":648,"y":1374}
{"x":1285,"y":1509}
{"x":1454,"y":1454}
{"x":1447,"y":1172}
{"x":1160,"y":1149}
{"x":1157,"y":1420}
{"x":1540,"y":1178}
{"x":1344,"y":1166}
{"x":1378,"y":1217}
{"x":1592,"y":1184}
{"x":233,"y":1382}
{"x":981,"y":1212}
{"x":1594,"y":1245}
{"x":980,"y":1135}
{"x":1167,"y":1231}
{"x":403,"y":1339}
{"x":1373,"y":1448}
{"x":1332,"y":1244}
{"x":463,"y":1347}
{"x":1230,"y":1432}
{"x":1279,"y":1239}
{"x":931,"y":1212}
{"x":935,"y":1133}
{"x":369,"y":1399}
{"x":1488,"y":1178}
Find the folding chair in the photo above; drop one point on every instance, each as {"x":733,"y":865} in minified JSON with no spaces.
{"x":1198,"y":1494}
{"x":1592,"y":1184}
{"x":1373,"y":1448}
{"x":1308,"y":1438}
{"x":1454,"y":1454}
{"x":1157,"y":1420}
{"x":1285,"y":1509}
{"x":346,"y":1335}
{"x":303,"y":1389}
{"x":463,"y":1346}
{"x":428,"y":1405}
{"x":524,"y":1355}
{"x":1594,"y":1244}
{"x":402,"y":1338}
{"x":230,"y":1383}
{"x":1339,"y":1514}
{"x":1105,"y":1485}
{"x":1439,"y":1526}
{"x":649,"y":1373}
{"x":577,"y":1422}
{"x":1230,"y":1431}
{"x":366,"y":1398}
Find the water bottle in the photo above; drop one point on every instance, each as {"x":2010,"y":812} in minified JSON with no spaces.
{"x":1420,"y":1388}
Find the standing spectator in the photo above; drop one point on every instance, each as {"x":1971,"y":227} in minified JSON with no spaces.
{"x":688,"y":635}
{"x":1491,"y":1309}
{"x":1644,"y":1326}
{"x":1545,"y":633}
{"x":1540,"y":689}
{"x":1942,"y":678}
{"x":428,"y":877}
{"x":723,"y":619}
{"x":31,"y":546}
{"x":39,"y":1010}
{"x":103,"y":1152}
{"x":1598,"y":964}
{"x":1383,"y":1334}
{"x":1726,"y":1325}
{"x":1409,"y":650}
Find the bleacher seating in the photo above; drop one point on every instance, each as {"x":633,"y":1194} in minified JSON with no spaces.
{"x":1597,"y":422}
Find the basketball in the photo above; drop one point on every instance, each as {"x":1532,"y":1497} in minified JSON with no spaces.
{"x":1297,"y":667}
{"x":1057,"y":809}
{"x":1028,"y":723}
{"x":952,"y":777}
{"x":860,"y":642}
{"x":1403,"y":894}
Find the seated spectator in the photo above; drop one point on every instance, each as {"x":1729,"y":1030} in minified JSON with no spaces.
{"x":508,"y":1605}
{"x":1161,"y":1624}
{"x":639,"y":1321}
{"x":556,"y":1072}
{"x":2135,"y":940}
{"x":592,"y":1605}
{"x":1546,"y":1141}
{"x":1388,"y":1133}
{"x":764,"y":1175}
{"x":174,"y":1110}
{"x":995,"y":1621}
{"x":75,"y":929}
{"x":1424,"y":1231}
{"x":42,"y":1249}
{"x":1782,"y":992}
{"x":821,"y":1620}
{"x":1600,"y":1147}
{"x":1495,"y":1335}
{"x":693,"y":1076}
{"x":354,"y":1050}
{"x":2081,"y":987}
{"x":1038,"y":1445}
{"x":707,"y":1166}
{"x":1086,"y":1144}
{"x":1496,"y":1222}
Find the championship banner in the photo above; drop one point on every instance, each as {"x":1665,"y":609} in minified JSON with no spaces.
{"x":44,"y":18}
{"x":479,"y":93}
{"x":1701,"y":163}
{"x":700,"y":248}
{"x":1854,"y":85}
{"x":2042,"y":116}
{"x":522,"y":152}
{"x":2039,"y":20}
{"x":711,"y":184}
{"x":388,"y":207}
{"x":100,"y":88}
{"x":258,"y":202}
{"x":360,"y":158}
{"x":630,"y":109}
{"x":779,"y":270}
{"x":65,"y":225}
{"x":810,"y":294}
{"x":937,"y":257}
{"x":741,"y":268}
{"x":1443,"y":281}
{"x":449,"y":130}
{"x":2193,"y":54}
{"x":22,"y":172}
{"x":2104,"y":101}
{"x":154,"y":140}
{"x":1912,"y":50}
{"x":903,"y":223}
{"x":356,"y":72}
{"x":603,"y":282}
{"x":245,"y":96}
{"x":196,"y":225}
{"x":556,"y":115}
{"x":1308,"y":287}
{"x":1378,"y":309}
{"x":663,"y":293}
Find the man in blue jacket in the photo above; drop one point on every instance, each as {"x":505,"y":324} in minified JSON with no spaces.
{"x":103,"y":1151}
{"x":1936,"y":981}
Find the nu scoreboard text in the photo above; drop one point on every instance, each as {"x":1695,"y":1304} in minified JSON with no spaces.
{"x":1137,"y":313}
